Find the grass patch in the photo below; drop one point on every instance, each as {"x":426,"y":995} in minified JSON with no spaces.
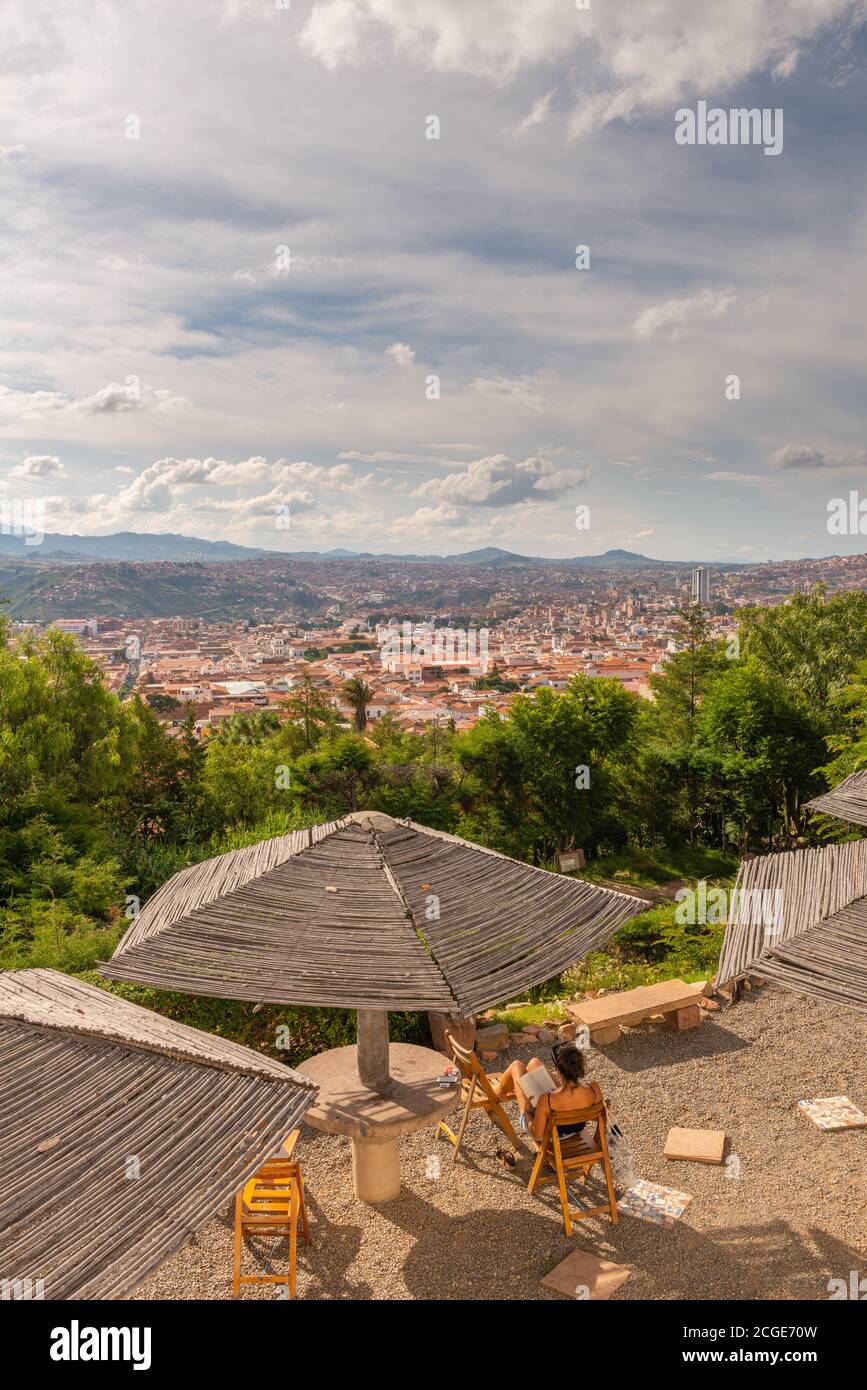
{"x":515,"y":1019}
{"x":650,"y":868}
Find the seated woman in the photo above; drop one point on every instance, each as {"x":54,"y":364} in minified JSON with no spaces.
{"x":574,"y":1094}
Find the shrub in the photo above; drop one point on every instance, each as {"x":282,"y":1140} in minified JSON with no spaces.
{"x":308,"y":1030}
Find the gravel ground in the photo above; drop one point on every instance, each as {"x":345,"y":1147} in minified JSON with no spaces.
{"x":794,"y":1218}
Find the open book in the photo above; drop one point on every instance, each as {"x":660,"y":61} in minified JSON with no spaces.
{"x":536,"y":1083}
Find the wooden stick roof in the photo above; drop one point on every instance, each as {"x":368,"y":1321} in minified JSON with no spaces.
{"x":367,"y":912}
{"x":799,"y":919}
{"x":848,"y":801}
{"x":121,"y":1133}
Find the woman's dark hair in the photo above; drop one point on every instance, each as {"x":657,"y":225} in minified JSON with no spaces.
{"x":569,"y":1061}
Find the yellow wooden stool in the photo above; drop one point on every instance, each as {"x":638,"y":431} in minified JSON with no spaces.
{"x":272,"y":1202}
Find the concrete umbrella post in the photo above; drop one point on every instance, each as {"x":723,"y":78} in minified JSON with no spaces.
{"x":373,"y":1048}
{"x":375,"y":1166}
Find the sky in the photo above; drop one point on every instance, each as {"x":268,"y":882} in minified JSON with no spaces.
{"x":247,"y":295}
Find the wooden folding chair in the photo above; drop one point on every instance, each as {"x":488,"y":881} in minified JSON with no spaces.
{"x":271,"y":1202}
{"x":477,"y":1093}
{"x":574,"y":1155}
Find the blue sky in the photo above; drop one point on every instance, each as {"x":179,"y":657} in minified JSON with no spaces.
{"x":163,"y":368}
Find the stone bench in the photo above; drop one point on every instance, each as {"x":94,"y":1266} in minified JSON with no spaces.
{"x":676,"y":1002}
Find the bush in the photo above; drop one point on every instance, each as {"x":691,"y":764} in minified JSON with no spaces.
{"x":308,"y":1030}
{"x":54,"y":937}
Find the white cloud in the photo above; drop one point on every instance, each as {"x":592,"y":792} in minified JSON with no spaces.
{"x":326,"y":405}
{"x":401,"y":354}
{"x":387,"y":456}
{"x":539,"y":111}
{"x":675,"y":317}
{"x":516,"y":389}
{"x":338,"y":477}
{"x":440,"y":515}
{"x":805,"y":457}
{"x":38,"y":466}
{"x":214,"y":496}
{"x":108,"y":400}
{"x":157,"y":487}
{"x":499,"y":481}
{"x":634,"y":57}
{"x":334,"y":31}
{"x":741,"y":479}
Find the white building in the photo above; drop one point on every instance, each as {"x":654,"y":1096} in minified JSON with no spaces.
{"x":701,"y":585}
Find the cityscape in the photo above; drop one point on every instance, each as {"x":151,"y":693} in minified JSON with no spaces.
{"x":530,"y":623}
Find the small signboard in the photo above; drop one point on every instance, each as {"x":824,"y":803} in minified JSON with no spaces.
{"x":571,"y":860}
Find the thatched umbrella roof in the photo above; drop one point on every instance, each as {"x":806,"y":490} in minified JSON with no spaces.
{"x":799,"y":919}
{"x":847,"y":801}
{"x":121,"y":1133}
{"x":366,"y":913}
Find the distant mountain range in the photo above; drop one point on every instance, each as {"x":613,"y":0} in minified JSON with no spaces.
{"x":123,"y":545}
{"x":492,"y":555}
{"x":144,"y":547}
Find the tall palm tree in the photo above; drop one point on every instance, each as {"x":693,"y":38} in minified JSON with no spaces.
{"x":358,"y":695}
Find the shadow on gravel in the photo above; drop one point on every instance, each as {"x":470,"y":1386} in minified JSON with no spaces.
{"x":652,"y":1045}
{"x":766,"y":1260}
{"x":490,"y":1254}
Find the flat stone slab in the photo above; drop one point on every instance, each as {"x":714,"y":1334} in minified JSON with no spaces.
{"x":584,"y":1276}
{"x":696,"y":1145}
{"x":412,"y":1100}
{"x":652,"y":1201}
{"x":833,"y":1112}
{"x":634,"y":1005}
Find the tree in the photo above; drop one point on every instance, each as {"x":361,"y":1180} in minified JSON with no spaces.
{"x":191,"y":820}
{"x":245,"y":783}
{"x":812,"y":643}
{"x":547,"y":775}
{"x":760,"y":750}
{"x":67,"y":744}
{"x":848,"y":743}
{"x":358,"y":696}
{"x":249,"y":728}
{"x":148,"y":802}
{"x":686,"y":675}
{"x":67,"y":751}
{"x":161,"y":703}
{"x":678,"y":691}
{"x":308,"y":708}
{"x":341,"y":774}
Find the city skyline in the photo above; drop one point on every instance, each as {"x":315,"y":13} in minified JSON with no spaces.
{"x":226,"y":300}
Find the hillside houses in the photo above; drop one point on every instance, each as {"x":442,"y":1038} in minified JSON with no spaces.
{"x":419,"y":674}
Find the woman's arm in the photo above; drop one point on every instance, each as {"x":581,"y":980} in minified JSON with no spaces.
{"x":540,"y":1117}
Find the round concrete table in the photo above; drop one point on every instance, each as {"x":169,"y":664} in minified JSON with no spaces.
{"x":375,"y":1119}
